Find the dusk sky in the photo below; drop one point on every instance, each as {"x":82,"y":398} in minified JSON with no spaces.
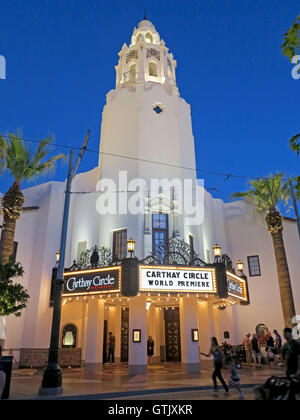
{"x":61,"y":55}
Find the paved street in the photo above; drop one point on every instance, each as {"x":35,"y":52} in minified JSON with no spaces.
{"x":192,"y":395}
{"x":115,"y":382}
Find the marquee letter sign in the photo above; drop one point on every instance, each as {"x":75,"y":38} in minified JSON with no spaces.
{"x":237,"y":287}
{"x":177,"y":279}
{"x":98,"y":281}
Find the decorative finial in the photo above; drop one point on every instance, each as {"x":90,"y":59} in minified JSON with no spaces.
{"x":145,"y":15}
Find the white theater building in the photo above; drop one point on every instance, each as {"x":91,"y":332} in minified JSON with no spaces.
{"x":147,"y":132}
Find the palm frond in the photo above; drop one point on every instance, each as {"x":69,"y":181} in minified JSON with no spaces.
{"x":266,"y":193}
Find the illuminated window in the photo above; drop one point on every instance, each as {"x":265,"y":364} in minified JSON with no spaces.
{"x":139,"y":38}
{"x":132,"y":73}
{"x":149,"y":37}
{"x":120,"y":244}
{"x":152,"y":69}
{"x":69,"y":336}
{"x":160,"y":234}
{"x":254,"y":266}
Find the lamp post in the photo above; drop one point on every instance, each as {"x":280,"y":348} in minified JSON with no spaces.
{"x":240,"y":266}
{"x":52,"y":378}
{"x":217,"y":253}
{"x":131,"y":246}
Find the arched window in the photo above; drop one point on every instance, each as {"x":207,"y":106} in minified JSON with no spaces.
{"x":69,"y":336}
{"x":139,"y":38}
{"x":149,"y":37}
{"x":152,"y":69}
{"x":132,"y":73}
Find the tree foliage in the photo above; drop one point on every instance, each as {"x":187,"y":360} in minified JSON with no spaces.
{"x":21,"y":161}
{"x":266,"y":194}
{"x":13,"y":296}
{"x":291,"y":44}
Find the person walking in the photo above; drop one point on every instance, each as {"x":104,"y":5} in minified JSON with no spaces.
{"x":291,"y":354}
{"x":256,"y":354}
{"x":2,"y":376}
{"x":150,"y":349}
{"x":270,"y":349}
{"x":217,"y":354}
{"x":111,"y":348}
{"x":248,"y":349}
{"x":234,"y":380}
{"x":278,"y":346}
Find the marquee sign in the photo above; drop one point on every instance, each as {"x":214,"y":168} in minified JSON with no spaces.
{"x":237,"y":287}
{"x":177,"y":279}
{"x":97,"y":281}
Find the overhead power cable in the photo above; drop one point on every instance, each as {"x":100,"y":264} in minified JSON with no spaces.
{"x":227,"y":175}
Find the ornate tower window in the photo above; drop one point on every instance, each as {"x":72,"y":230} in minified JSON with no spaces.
{"x":152,"y":52}
{"x":152,"y":69}
{"x":132,"y":73}
{"x":149,"y":37}
{"x":133,"y":54}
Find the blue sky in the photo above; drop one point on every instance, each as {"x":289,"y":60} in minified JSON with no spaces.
{"x":245,"y":105}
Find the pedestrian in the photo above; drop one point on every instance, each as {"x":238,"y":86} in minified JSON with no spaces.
{"x":217,"y":354}
{"x":256,"y":350}
{"x":270,"y":355}
{"x":248,"y":349}
{"x":111,"y":348}
{"x":150,"y":349}
{"x":234,"y":379}
{"x":2,"y":375}
{"x":278,"y":346}
{"x":291,"y":354}
{"x":270,"y":349}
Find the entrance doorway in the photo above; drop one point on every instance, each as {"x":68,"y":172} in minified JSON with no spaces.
{"x":124,"y":334}
{"x":105,"y":342}
{"x":172,"y":330}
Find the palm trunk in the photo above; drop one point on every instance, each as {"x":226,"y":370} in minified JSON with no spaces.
{"x":285,"y":287}
{"x":12,"y":204}
{"x":7,"y":239}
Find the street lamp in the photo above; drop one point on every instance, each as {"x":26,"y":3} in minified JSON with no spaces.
{"x":217,"y":252}
{"x":131,"y":246}
{"x":57,"y":257}
{"x":240,"y":265}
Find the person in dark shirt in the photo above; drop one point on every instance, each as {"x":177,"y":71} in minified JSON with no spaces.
{"x":111,"y":347}
{"x":256,"y":354}
{"x":291,"y":354}
{"x":150,"y":349}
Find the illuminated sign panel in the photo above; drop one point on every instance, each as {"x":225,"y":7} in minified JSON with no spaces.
{"x":103,"y":280}
{"x":237,"y":287}
{"x":177,"y":279}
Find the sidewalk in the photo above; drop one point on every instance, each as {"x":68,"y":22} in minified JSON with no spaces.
{"x":115,"y":382}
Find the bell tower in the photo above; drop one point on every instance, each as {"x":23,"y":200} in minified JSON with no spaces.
{"x":146,"y":135}
{"x":147,"y":59}
{"x":144,"y":117}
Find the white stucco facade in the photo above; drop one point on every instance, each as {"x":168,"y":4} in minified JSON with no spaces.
{"x":137,"y":139}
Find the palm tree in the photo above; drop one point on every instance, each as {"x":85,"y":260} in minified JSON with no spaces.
{"x":264,"y":197}
{"x":23,"y":165}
